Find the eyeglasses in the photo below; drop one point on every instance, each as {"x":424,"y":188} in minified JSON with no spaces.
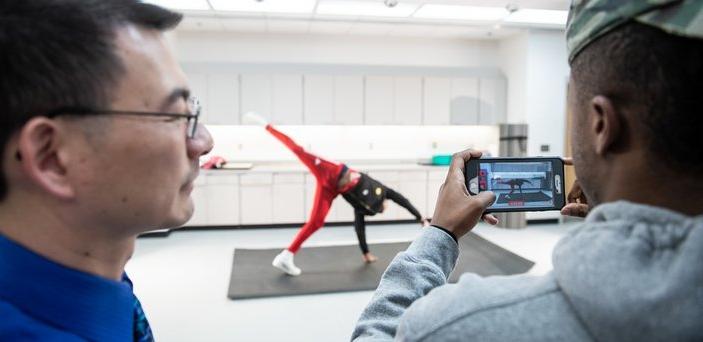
{"x":194,"y":109}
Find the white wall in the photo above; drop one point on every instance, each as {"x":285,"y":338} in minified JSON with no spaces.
{"x":537,"y":70}
{"x":547,"y":74}
{"x":224,"y":47}
{"x":513,"y":62}
{"x":377,"y":144}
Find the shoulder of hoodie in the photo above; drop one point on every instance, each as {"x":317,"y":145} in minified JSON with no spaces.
{"x":497,"y":307}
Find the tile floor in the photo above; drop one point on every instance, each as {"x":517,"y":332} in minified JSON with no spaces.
{"x":182,"y":282}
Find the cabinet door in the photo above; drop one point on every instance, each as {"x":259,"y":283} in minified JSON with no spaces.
{"x":223,"y":99}
{"x":379,"y":104}
{"x":288,"y":198}
{"x":223,"y":200}
{"x":408,"y":100}
{"x":256,"y":94}
{"x":344,"y":212}
{"x":413,"y":185}
{"x":200,"y":203}
{"x":464,"y":101}
{"x":198,"y":87}
{"x":288,"y":99}
{"x":492,"y":101}
{"x":349,"y":100}
{"x":318,"y":100}
{"x":434,"y":182}
{"x":437,"y":95}
{"x":256,"y":199}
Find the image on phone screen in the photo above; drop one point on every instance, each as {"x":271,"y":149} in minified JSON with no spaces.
{"x":526,"y":185}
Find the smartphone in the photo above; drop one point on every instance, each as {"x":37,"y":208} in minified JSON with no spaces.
{"x":520,"y":184}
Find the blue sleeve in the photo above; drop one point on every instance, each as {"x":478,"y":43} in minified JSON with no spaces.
{"x":425,"y":265}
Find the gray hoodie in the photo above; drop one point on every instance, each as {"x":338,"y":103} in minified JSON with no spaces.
{"x":630,"y":272}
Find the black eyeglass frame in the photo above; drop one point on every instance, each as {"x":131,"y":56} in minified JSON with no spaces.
{"x":192,"y":118}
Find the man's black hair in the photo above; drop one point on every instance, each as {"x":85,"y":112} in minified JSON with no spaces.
{"x":57,"y":53}
{"x":660,"y":76}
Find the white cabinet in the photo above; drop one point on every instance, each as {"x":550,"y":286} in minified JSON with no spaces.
{"x":379,"y":104}
{"x":348,"y":100}
{"x":413,"y":186}
{"x":223,"y":99}
{"x":318,"y":100}
{"x":200,"y":203}
{"x":408,"y":100}
{"x":257,"y":94}
{"x":197,"y":82}
{"x":223,"y":200}
{"x":437,"y":92}
{"x":435,"y":179}
{"x":464,"y":101}
{"x":256,"y":198}
{"x":287,"y":99}
{"x":344,"y":212}
{"x":492,"y":101}
{"x":288,"y":198}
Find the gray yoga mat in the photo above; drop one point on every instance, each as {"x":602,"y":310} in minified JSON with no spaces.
{"x":340,"y":268}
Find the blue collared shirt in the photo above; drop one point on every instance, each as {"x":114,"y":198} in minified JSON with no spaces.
{"x":42,"y":300}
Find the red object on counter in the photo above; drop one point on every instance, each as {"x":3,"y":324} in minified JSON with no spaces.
{"x":215,"y":162}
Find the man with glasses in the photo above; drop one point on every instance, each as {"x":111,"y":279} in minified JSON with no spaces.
{"x":100,"y":142}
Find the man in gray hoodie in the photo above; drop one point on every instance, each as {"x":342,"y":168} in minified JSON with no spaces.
{"x":633,"y":270}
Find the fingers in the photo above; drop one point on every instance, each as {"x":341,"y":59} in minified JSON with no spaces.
{"x":484,"y":199}
{"x":490,"y":219}
{"x":575,"y":209}
{"x":576,"y":194}
{"x":456,"y":167}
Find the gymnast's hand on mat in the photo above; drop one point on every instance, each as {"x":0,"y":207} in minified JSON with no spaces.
{"x":456,"y":210}
{"x":576,"y":201}
{"x":369,"y":258}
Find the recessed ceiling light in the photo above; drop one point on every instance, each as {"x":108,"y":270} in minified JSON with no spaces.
{"x":365,"y":8}
{"x":200,"y":5}
{"x":267,"y":6}
{"x":457,"y":12}
{"x":538,"y":16}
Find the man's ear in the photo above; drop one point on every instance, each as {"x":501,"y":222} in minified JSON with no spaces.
{"x":38,"y":152}
{"x":606,"y":124}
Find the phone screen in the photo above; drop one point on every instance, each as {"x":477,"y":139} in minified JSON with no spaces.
{"x":518,"y":184}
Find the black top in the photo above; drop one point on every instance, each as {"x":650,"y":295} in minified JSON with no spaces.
{"x":368,"y":195}
{"x":367,"y":199}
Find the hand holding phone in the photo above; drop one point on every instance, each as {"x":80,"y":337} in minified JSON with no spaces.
{"x":577,"y":203}
{"x":457,"y":211}
{"x":520,"y":184}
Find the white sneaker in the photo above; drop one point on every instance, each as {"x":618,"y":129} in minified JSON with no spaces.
{"x":253,"y":118}
{"x":284,"y":262}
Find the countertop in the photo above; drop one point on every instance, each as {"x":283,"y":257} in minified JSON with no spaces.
{"x":293,"y":167}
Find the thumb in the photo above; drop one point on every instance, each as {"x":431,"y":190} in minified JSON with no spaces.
{"x":485,"y":198}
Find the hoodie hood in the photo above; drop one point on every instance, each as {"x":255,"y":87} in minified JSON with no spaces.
{"x":634,"y":272}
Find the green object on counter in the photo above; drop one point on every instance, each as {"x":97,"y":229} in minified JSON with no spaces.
{"x":441,"y":159}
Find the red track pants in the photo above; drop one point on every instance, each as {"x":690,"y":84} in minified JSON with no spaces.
{"x":327,"y":174}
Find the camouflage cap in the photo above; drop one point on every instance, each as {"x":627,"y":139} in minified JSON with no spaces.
{"x":590,"y":19}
